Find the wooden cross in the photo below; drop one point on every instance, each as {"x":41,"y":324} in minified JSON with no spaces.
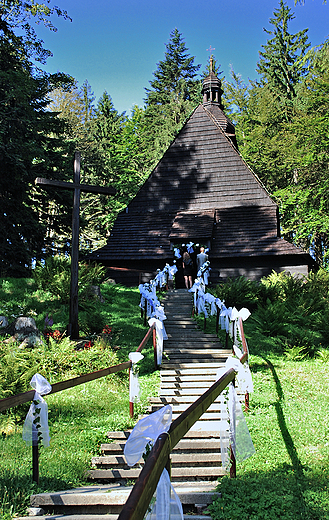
{"x":73,"y":328}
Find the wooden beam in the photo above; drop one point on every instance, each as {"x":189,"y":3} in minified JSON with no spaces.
{"x":103,"y":190}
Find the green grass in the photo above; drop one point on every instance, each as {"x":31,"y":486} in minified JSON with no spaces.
{"x":288,"y":420}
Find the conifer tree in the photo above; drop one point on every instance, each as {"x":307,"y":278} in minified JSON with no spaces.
{"x":283,"y":61}
{"x":174,"y":93}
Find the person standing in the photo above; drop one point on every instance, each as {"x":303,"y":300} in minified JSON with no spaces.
{"x":201,"y":258}
{"x":188,"y":270}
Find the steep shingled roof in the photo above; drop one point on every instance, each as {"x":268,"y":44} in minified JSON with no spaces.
{"x":200,"y":180}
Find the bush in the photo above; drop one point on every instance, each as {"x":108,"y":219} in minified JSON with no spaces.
{"x":55,"y":276}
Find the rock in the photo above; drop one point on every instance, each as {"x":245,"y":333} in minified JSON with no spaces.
{"x":35,"y":511}
{"x":95,"y":293}
{"x":3,"y":321}
{"x":24,"y":329}
{"x":25,"y":324}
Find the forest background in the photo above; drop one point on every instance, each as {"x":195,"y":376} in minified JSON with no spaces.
{"x":282,"y":125}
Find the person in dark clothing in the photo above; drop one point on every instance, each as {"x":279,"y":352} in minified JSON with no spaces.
{"x":188,"y":270}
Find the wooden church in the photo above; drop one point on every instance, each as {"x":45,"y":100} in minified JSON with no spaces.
{"x":201,"y":191}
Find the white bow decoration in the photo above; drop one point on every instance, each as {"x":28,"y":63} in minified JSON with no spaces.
{"x":190,"y":249}
{"x":226,"y":316}
{"x":146,"y":431}
{"x":160,"y":335}
{"x":36,"y":423}
{"x":134,"y":388}
{"x":177,"y":253}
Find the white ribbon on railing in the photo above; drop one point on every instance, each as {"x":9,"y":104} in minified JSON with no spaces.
{"x":211,"y":301}
{"x":148,"y":293}
{"x":172,"y":271}
{"x":160,"y":335}
{"x":190,"y":249}
{"x":201,"y":303}
{"x":36,"y":423}
{"x":243,"y":377}
{"x":134,"y":388}
{"x":145,"y":433}
{"x":226,"y":315}
{"x":240,"y":438}
{"x":235,"y":432}
{"x":177,"y":253}
{"x":196,"y":287}
{"x":235,"y":315}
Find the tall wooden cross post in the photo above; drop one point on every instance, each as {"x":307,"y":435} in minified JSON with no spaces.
{"x":77,"y":188}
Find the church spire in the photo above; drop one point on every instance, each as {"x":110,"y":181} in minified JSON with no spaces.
{"x":211,"y":87}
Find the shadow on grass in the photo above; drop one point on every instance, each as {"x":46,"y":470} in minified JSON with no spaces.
{"x":289,"y":443}
{"x":275,"y":494}
{"x":15,"y":491}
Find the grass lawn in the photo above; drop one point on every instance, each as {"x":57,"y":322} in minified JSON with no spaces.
{"x":288,"y":421}
{"x":287,"y":477}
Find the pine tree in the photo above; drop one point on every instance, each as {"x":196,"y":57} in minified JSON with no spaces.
{"x":174,"y":93}
{"x":283,"y":62}
{"x":175,"y":75}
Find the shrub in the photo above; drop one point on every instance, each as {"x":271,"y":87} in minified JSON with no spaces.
{"x":55,"y":276}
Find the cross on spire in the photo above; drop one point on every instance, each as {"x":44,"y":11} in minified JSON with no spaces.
{"x":211,"y":58}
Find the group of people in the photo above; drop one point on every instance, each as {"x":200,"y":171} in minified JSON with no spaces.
{"x":188,"y":266}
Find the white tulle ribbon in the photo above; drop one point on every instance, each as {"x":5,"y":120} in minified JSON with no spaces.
{"x":167,"y":504}
{"x":160,"y":335}
{"x":134,"y":388}
{"x":211,"y":301}
{"x":36,"y":422}
{"x":190,"y":249}
{"x":172,"y":271}
{"x":235,"y":432}
{"x":177,"y":253}
{"x":240,"y":438}
{"x":225,"y":314}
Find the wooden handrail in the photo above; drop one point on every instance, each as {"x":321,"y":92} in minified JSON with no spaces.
{"x":15,"y":400}
{"x":150,"y":332}
{"x":146,"y":338}
{"x":142,"y":492}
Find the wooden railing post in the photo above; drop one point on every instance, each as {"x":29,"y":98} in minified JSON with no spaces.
{"x":131,"y":404}
{"x":217,"y":319}
{"x":145,"y":313}
{"x":154,"y":335}
{"x":232,"y":456}
{"x":35,"y":462}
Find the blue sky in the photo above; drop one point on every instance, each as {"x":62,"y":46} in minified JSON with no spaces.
{"x":116,"y":44}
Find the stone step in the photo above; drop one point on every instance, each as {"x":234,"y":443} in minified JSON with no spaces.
{"x":191,"y":370}
{"x":187,"y":384}
{"x":177,"y":460}
{"x":105,"y":502}
{"x":210,"y":378}
{"x":195,"y":365}
{"x":178,"y":474}
{"x":188,"y":444}
{"x":102,"y":517}
{"x":123,"y":435}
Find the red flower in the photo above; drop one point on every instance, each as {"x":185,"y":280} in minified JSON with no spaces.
{"x":107,"y":329}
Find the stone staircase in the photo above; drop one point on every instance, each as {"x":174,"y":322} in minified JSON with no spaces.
{"x":191,"y":360}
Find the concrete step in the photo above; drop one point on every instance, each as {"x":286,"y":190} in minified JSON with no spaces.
{"x":104,"y":502}
{"x":103,"y":517}
{"x":193,"y":473}
{"x":177,"y":459}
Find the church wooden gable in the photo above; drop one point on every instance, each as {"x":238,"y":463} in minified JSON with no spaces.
{"x":203,"y":191}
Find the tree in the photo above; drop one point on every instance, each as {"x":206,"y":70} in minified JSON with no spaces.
{"x":30,"y":145}
{"x":16,"y":18}
{"x":174,"y":93}
{"x":283,"y":62}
